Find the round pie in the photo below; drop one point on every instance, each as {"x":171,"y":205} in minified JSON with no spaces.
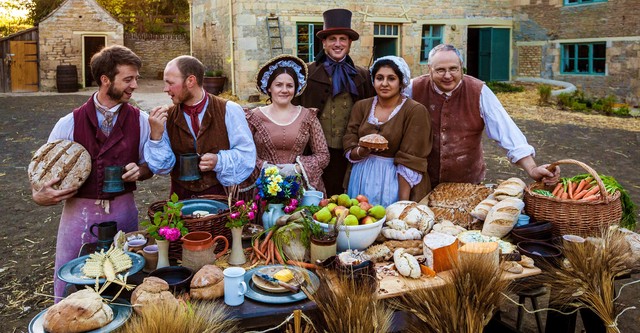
{"x":374,"y":141}
{"x":63,"y":159}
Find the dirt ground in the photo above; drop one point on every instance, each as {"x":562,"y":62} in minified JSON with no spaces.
{"x":27,"y":236}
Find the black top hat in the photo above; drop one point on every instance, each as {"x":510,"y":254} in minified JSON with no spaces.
{"x":337,"y":21}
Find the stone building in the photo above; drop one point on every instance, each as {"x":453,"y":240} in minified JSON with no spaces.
{"x":500,"y":39}
{"x":594,"y":44}
{"x":70,"y":35}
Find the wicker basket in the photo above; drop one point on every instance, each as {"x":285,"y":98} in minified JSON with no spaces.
{"x":213,"y":224}
{"x":584,"y":218}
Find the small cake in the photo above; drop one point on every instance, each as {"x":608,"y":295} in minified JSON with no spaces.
{"x":374,"y":141}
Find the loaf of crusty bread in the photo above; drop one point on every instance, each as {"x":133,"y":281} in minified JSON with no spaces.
{"x":207,"y":283}
{"x":63,"y":159}
{"x":80,"y":312}
{"x":153,"y":290}
{"x":512,"y":187}
{"x":454,"y":201}
{"x":502,"y":217}
{"x":482,"y":209}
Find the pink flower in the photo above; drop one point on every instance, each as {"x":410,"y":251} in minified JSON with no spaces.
{"x":234,"y":215}
{"x":251,"y":215}
{"x":170,"y":234}
{"x":294,"y":202}
{"x":239,"y":203}
{"x":257,"y":197}
{"x":254,"y":207}
{"x":288,"y":209}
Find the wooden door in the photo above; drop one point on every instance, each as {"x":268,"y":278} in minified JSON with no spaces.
{"x":92,"y":44}
{"x":24,"y":67}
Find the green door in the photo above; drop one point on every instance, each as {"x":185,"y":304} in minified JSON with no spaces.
{"x":493,"y":54}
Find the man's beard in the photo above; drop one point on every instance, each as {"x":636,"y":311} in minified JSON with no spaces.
{"x":114,"y":94}
{"x":185,"y":95}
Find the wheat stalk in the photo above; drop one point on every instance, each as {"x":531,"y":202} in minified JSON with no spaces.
{"x":586,"y":277}
{"x":466,"y":303}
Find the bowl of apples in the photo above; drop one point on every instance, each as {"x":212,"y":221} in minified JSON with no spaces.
{"x":361,"y":224}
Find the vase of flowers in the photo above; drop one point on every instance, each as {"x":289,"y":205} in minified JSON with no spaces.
{"x":240,"y":214}
{"x":280,"y":192}
{"x":167,"y":226}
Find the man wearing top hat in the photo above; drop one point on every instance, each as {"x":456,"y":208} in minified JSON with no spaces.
{"x":335,"y":83}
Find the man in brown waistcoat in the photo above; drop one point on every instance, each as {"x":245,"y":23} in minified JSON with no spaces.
{"x":202,"y":123}
{"x":115,"y":133}
{"x":461,"y":107}
{"x":334,"y":85}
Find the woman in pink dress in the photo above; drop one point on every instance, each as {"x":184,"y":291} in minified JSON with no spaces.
{"x":281,"y":130}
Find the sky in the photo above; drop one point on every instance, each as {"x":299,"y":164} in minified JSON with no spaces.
{"x":11,"y":13}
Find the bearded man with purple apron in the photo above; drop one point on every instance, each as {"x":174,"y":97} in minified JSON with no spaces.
{"x":114,"y":133}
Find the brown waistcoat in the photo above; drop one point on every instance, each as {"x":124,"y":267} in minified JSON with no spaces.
{"x":212,"y":138}
{"x":457,"y":131}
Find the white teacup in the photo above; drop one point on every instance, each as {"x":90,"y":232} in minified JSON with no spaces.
{"x":234,"y":286}
{"x":136,"y":245}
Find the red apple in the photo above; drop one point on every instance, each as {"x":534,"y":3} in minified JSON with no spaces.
{"x":365,"y":205}
{"x":362,"y":198}
{"x":323,"y":202}
{"x":368,"y":220}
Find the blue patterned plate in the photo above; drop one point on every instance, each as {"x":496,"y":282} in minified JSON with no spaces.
{"x":257,"y":294}
{"x":71,"y":272}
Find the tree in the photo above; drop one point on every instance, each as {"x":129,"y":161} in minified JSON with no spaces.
{"x":135,"y":15}
{"x":13,"y":17}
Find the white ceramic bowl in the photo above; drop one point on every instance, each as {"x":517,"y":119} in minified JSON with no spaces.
{"x":360,"y":236}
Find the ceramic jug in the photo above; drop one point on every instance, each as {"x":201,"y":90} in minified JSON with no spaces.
{"x":273,"y":212}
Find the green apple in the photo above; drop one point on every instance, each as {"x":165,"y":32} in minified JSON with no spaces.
{"x":333,"y":220}
{"x":377,"y":211}
{"x":323,"y":215}
{"x":331,"y":206}
{"x":334,"y":198}
{"x":351,"y":220}
{"x":354,"y":202}
{"x":357,"y":211}
{"x":344,"y":200}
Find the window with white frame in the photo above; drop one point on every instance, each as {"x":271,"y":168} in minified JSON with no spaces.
{"x":584,"y":58}
{"x":431,"y":36}
{"x":386,"y":39}
{"x":307,"y":44}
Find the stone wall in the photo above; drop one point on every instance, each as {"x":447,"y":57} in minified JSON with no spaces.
{"x":61,"y":35}
{"x":156,"y":50}
{"x":251,"y":45}
{"x":546,"y":24}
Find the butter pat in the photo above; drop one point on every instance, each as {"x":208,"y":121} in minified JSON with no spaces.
{"x":283,"y":275}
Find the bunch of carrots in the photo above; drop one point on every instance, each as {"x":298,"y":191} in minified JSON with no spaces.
{"x":586,"y":189}
{"x":270,"y":253}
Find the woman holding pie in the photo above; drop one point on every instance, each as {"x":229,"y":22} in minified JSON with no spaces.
{"x":388,"y":139}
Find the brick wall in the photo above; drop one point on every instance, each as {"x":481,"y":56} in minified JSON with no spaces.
{"x":61,"y":36}
{"x":529,"y":60}
{"x":156,"y":50}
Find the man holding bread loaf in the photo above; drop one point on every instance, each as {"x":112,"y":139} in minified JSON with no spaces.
{"x":202,"y":123}
{"x":461,"y":108}
{"x":114,"y":133}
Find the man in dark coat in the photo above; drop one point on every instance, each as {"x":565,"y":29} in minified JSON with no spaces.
{"x":334,"y":85}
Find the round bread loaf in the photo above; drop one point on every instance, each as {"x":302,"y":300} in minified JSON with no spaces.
{"x":153,"y":290}
{"x":208,"y":283}
{"x":63,"y":159}
{"x":374,"y":141}
{"x":80,"y":312}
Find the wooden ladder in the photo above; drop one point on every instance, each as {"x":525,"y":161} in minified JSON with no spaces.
{"x":275,"y":35}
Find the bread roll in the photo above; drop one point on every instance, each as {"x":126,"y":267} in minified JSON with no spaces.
{"x":80,"y":312}
{"x":502,"y":217}
{"x":512,"y":187}
{"x":374,"y":141}
{"x":152,"y":290}
{"x":482,"y":209}
{"x":208,"y":283}
{"x":63,"y":159}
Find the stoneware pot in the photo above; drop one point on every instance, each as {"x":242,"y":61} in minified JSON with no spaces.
{"x":273,"y":212}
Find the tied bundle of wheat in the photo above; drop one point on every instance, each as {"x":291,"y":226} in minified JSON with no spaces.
{"x":464,"y":304}
{"x":191,"y":317}
{"x":350,"y":305}
{"x":586,"y":277}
